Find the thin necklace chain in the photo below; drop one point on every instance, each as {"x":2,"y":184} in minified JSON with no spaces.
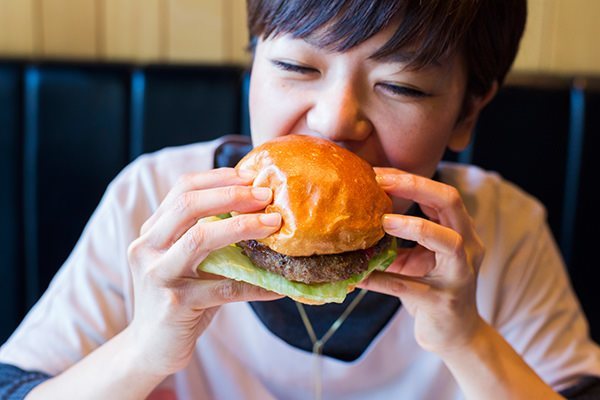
{"x":318,"y":344}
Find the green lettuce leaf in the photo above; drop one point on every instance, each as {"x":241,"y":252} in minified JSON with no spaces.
{"x":231,"y":263}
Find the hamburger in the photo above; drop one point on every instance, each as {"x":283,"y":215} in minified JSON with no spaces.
{"x":331,"y":235}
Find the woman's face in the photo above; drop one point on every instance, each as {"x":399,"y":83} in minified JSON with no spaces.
{"x":387,"y":114}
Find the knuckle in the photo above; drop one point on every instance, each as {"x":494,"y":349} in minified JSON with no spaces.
{"x":228,"y":290}
{"x":134,"y":251}
{"x":153,"y":274}
{"x":240,"y":224}
{"x":478,"y":253}
{"x":420,"y":228}
{"x":410,"y":181}
{"x":230,"y":194}
{"x":145,"y":227}
{"x":194,"y":239}
{"x":183,"y":202}
{"x":459,"y":246}
{"x":225,"y":172}
{"x":452,"y":196}
{"x":394,"y":286}
{"x":185,"y":181}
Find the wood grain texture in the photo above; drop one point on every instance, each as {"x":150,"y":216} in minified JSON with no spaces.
{"x":576,"y":41}
{"x":69,"y":28}
{"x":561,"y":35}
{"x":237,"y":26}
{"x":529,"y":56}
{"x":17,"y":36}
{"x":196,"y":31}
{"x":132,"y":30}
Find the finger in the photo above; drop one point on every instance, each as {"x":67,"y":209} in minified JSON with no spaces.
{"x":189,"y":207}
{"x":435,"y":237}
{"x":194,"y":245}
{"x":438,"y":201}
{"x":404,"y":287}
{"x":198,"y":181}
{"x":417,"y":261}
{"x":217,"y":292}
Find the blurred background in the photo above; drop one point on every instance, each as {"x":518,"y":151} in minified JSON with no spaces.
{"x":562,"y":35}
{"x":86,"y":86}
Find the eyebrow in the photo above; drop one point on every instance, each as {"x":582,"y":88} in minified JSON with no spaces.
{"x":401,"y":57}
{"x":396,"y":57}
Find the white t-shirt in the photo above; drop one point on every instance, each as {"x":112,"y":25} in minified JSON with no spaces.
{"x":523,"y":291}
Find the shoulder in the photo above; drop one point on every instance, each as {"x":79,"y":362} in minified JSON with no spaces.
{"x":155,"y":173}
{"x":492,"y":201}
{"x":511,"y":224}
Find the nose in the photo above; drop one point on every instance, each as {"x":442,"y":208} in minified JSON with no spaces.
{"x":337,"y":114}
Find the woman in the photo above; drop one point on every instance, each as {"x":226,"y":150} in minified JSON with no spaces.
{"x":396,"y":82}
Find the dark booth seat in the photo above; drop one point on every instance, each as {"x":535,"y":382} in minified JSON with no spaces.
{"x":180,"y":105}
{"x":11,"y":210}
{"x":75,"y":141}
{"x":524,"y":137}
{"x":584,"y":265}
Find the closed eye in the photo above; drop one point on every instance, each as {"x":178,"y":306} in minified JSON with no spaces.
{"x":286,"y":66}
{"x":406,"y":91}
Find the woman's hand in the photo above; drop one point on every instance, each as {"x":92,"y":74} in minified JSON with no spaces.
{"x":174,"y":302}
{"x":435,"y":280}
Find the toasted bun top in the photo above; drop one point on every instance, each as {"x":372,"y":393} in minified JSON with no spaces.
{"x":328,"y":197}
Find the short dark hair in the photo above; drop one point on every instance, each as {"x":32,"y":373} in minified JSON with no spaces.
{"x":486,"y":32}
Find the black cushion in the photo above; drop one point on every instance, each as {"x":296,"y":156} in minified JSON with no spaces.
{"x":523,"y":135}
{"x":180,"y":105}
{"x":76,"y":141}
{"x":584,"y":267}
{"x":11,"y":269}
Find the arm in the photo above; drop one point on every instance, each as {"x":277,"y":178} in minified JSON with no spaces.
{"x":173,"y":303}
{"x":112,"y":368}
{"x":488,"y":367}
{"x":436,"y":282}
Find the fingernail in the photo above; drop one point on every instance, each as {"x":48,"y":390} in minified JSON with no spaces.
{"x":261,"y":193}
{"x":385,"y":180}
{"x":246,"y":174}
{"x":270,"y":219}
{"x":389,"y":222}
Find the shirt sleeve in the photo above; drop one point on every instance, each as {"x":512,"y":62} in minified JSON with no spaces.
{"x":89,"y":300}
{"x":538,"y":311}
{"x":15,"y":383}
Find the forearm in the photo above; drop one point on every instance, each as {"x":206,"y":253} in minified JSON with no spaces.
{"x":489,"y":368}
{"x":114,"y":368}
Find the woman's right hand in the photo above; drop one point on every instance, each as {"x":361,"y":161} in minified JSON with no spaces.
{"x":173,"y":301}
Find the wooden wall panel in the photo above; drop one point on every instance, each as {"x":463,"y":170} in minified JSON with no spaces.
{"x":529,"y":56}
{"x":561,"y":35}
{"x":69,"y":28}
{"x":238,"y":32}
{"x":576,"y":31}
{"x":17,"y":36}
{"x":196,"y":30}
{"x":537,"y":45}
{"x":132,"y":30}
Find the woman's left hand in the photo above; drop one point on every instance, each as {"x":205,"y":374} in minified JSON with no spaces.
{"x":435,"y":280}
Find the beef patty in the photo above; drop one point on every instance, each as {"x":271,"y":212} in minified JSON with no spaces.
{"x":313,"y":269}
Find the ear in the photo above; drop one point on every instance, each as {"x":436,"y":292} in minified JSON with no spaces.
{"x":463,"y":131}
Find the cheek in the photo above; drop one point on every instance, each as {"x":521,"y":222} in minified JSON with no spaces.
{"x":414,"y":140}
{"x":259,"y":101}
{"x":274,"y":110}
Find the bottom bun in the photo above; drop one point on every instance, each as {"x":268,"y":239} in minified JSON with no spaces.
{"x":231,"y":263}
